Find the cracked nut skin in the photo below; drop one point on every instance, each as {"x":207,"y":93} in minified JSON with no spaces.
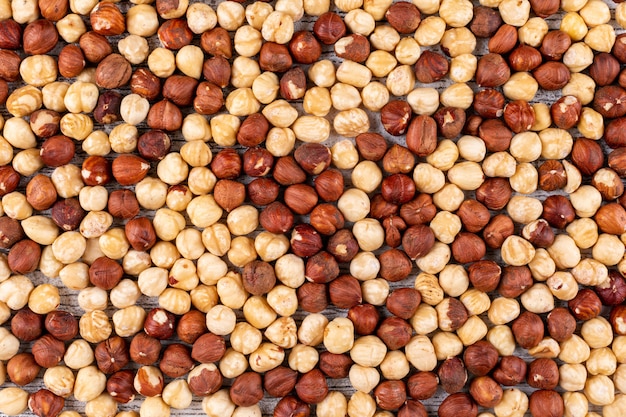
{"x":11,"y":232}
{"x":159,"y":324}
{"x":44,"y":403}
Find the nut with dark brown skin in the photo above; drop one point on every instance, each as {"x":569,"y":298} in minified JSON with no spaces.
{"x":304,"y":47}
{"x":120,"y":386}
{"x":608,"y":183}
{"x":217,"y":70}
{"x":345,"y":291}
{"x":180,"y":89}
{"x":305,"y":240}
{"x":548,"y":403}
{"x":472,"y":124}
{"x":398,"y":160}
{"x":229,"y":194}
{"x":246,"y":389}
{"x":539,"y":233}
{"x":404,"y":17}
{"x":208,"y":348}
{"x":159,"y":324}
{"x":543,"y":373}
{"x":40,"y":194}
{"x":560,"y":324}
{"x":312,"y":387}
{"x":96,"y":170}
{"x":390,"y":395}
{"x":395,"y":265}
{"x":566,"y":112}
{"x":10,"y":34}
{"x":276,"y":218}
{"x":484,"y":275}
{"x":558,"y":211}
{"x":418,"y":211}
{"x":605,"y":69}
{"x":53,"y":10}
{"x":24,"y":256}
{"x":112,"y":355}
{"x":280,"y":381}
{"x":191,"y":326}
{"x":105,"y":273}
{"x":364,"y":317}
{"x":468,"y":247}
{"x":418,"y":240}
{"x":62,"y":325}
{"x":496,"y":135}
{"x":552,"y":75}
{"x":354,"y":47}
{"x":11,"y":232}
{"x":612,"y":292}
{"x":48,"y":351}
{"x":123,"y":204}
{"x":453,"y":403}
{"x":614,"y":133}
{"x":519,"y":116}
{"x":217,"y":42}
{"x":371,"y":146}
{"x":524,"y":58}
{"x":492,"y":71}
{"x":528,"y":330}
{"x":489,"y":103}
{"x":27,"y":325}
{"x":617,"y":318}
{"x":485,"y":391}
{"x":474,"y":215}
{"x":257,"y":162}
{"x":494,"y":193}
{"x":140,"y":233}
{"x":258,"y":277}
{"x":412,"y":408}
{"x":149,"y":381}
{"x":39,"y":37}
{"x":226,"y":164}
{"x":552,"y":175}
{"x":329,"y":185}
{"x":45,"y":123}
{"x":313,"y":158}
{"x":486,"y":22}
{"x":176,"y":361}
{"x":57,"y":151}
{"x":497,"y":230}
{"x":431,"y":67}
{"x":421,"y":137}
{"x":274,"y":57}
{"x":510,"y":371}
{"x":504,"y":40}
{"x":452,"y":375}
{"x":395,"y":117}
{"x":515,"y":281}
{"x":394,"y":332}
{"x":422,"y":385}
{"x":403,"y":302}
{"x":145,"y":350}
{"x":145,"y":83}
{"x":292,"y":84}
{"x":153,"y":145}
{"x":611,"y":218}
{"x":321,"y":268}
{"x":450,"y":121}
{"x":480,"y":358}
{"x":263,"y":191}
{"x":174,"y":33}
{"x":112,"y":72}
{"x":312,"y":297}
{"x":300,"y":198}
{"x":9,"y":180}
{"x":394,"y":226}
{"x":329,"y":28}
{"x":253,"y":130}
{"x":290,"y":406}
{"x":106,"y":19}
{"x":555,"y":44}
{"x":381,"y":208}
{"x":205,"y":379}
{"x":67,"y":214}
{"x":326,"y":219}
{"x":287,"y":171}
{"x":586,"y":305}
{"x":22,"y":369}
{"x":44,"y":403}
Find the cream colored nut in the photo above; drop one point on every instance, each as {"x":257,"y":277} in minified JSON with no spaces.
{"x":429,"y":288}
{"x":54,"y":94}
{"x":24,"y":100}
{"x":27,"y":162}
{"x":456,"y":13}
{"x":572,"y":377}
{"x":334,"y":405}
{"x":600,"y":390}
{"x":5,"y":315}
{"x":322,"y":73}
{"x":563,"y":285}
{"x":597,"y":332}
{"x":141,"y":21}
{"x":428,"y":179}
{"x":543,"y":119}
{"x":473,"y":330}
{"x":520,"y":86}
{"x":573,"y":5}
{"x":125,"y":294}
{"x":154,"y":406}
{"x":245,"y":338}
{"x":203,"y":211}
{"x":168,"y":224}
{"x":317,"y":101}
{"x":13,"y":401}
{"x":352,"y":73}
{"x":221,"y":320}
{"x":458,"y":41}
{"x":609,"y":249}
{"x":447,"y":345}
{"x":267,"y":357}
{"x":71,"y":27}
{"x":204,"y":297}
{"x":44,"y":298}
{"x":620,"y":16}
{"x":360,"y":22}
{"x":601,"y":38}
{"x":430,"y":31}
{"x":113,"y":243}
{"x":374,"y":95}
{"x":501,"y":337}
{"x":601,"y":361}
{"x":424,"y":320}
{"x":384,"y":39}
{"x":196,"y":153}
{"x":177,"y":394}
{"x":590,"y":123}
{"x":48,"y":264}
{"x":164,"y":254}
{"x":134,"y":262}
{"x":503,"y":310}
{"x":395,"y":366}
{"x":97,"y":143}
{"x":277,"y":27}
{"x":265,"y":87}
{"x":211,"y":268}
{"x":368,"y":351}
{"x":595,"y":13}
{"x":280,"y":113}
{"x":40,"y":229}
{"x":615,"y":409}
{"x":574,"y":350}
{"x":241,"y":102}
{"x":499,"y":164}
{"x":435,"y":260}
{"x":533,"y":31}
{"x":196,"y":127}
{"x":475,"y":301}
{"x":216,"y":239}
{"x":81,"y":97}
{"x":162,"y":62}
{"x":18,"y":133}
{"x":93,"y":198}
{"x":363,"y":378}
{"x":280,"y":141}
{"x":454,"y":280}
{"x":457,"y":95}
{"x":89,"y":384}
{"x":366,"y":176}
{"x":401,"y":80}
{"x":514,"y":12}
{"x":364,"y":266}
{"x":248,"y":41}
{"x":123,"y":138}
{"x":578,"y":57}
{"x":6,"y":151}
{"x":538,"y":299}
{"x":189,"y":243}
{"x":344,"y":154}
{"x":421,"y":353}
{"x":361,"y":404}
{"x":76,"y":126}
{"x":564,"y":252}
{"x":282,"y":332}
{"x":311,"y":330}
{"x":69,"y":247}
{"x":525,"y":179}
{"x":134,"y":109}
{"x":95,"y":224}
{"x":92,"y":298}
{"x":242,"y":220}
{"x":14,"y":292}
{"x":82,"y":7}
{"x":514,"y":402}
{"x":526,"y":147}
{"x":556,"y":143}
{"x":375,"y":291}
{"x":580,"y":86}
{"x":289,"y":270}
{"x":463,"y":68}
{"x":175,"y":301}
{"x":449,"y":198}
{"x":200,"y":181}
{"x":38,"y":70}
{"x":230,"y":16}
{"x":590,"y":272}
{"x":407,"y":51}
{"x":354,"y":204}
{"x":231,"y":365}
{"x":224,"y":128}
{"x":344,"y":96}
{"x":524,"y":209}
{"x":9,"y":344}
{"x":466,"y":175}
{"x":445,"y":226}
{"x":584,"y":231}
{"x":380,"y":63}
{"x":586,"y":200}
{"x":183,"y":275}
{"x":313,"y":129}
{"x":339,"y":335}
{"x":256,"y":13}
{"x":471,"y":148}
{"x":283,"y":300}
{"x":347,"y":5}
{"x":218,"y":404}
{"x":258,"y":312}
{"x":59,"y":380}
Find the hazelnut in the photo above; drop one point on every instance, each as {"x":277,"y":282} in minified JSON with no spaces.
{"x":39,"y":37}
{"x":312,"y":297}
{"x":431,"y":67}
{"x":586,"y":305}
{"x":403,"y":302}
{"x":451,"y":405}
{"x":524,"y":58}
{"x":417,"y":240}
{"x":129,"y":169}
{"x":11,"y":231}
{"x":390,"y":395}
{"x":311,"y":387}
{"x":165,"y":115}
{"x":105,"y":273}
{"x":153,"y":145}
{"x":263,"y":191}
{"x":45,"y":403}
{"x":485,"y":23}
{"x":22,"y":369}
{"x":149,"y":381}
{"x":123,"y":204}
{"x":552,"y":175}
{"x":511,"y":371}
{"x":120,"y":386}
{"x":204,"y":380}
{"x":48,"y":351}
{"x":403,"y":17}
{"x":208,"y":348}
{"x":395,"y":117}
{"x":95,"y":170}
{"x":281,"y":380}
{"x":364,"y":318}
{"x":108,"y":107}
{"x":145,"y":83}
{"x":140,"y":233}
{"x":217,"y":42}
{"x":246,"y":389}
{"x":546,"y":403}
{"x":485,"y":391}
{"x":26,"y":325}
{"x":612,"y":292}
{"x":217,"y":71}
{"x":492,"y":71}
{"x":480,"y":358}
{"x":159,"y":324}
{"x":321,"y":268}
{"x":144,"y":349}
{"x":484,"y":275}
{"x":61,"y":324}
{"x":191,"y":326}
{"x":421,"y":137}
{"x":57,"y":151}
{"x":290,"y":406}
{"x":176,"y":361}
{"x":112,"y":355}
{"x":395,"y":265}
{"x":174,"y":34}
{"x":24,"y":256}
{"x":543,"y":373}
{"x":528,"y":330}
{"x":452,"y":375}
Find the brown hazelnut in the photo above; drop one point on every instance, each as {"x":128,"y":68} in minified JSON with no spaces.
{"x":608,"y":183}
{"x":343,"y":245}
{"x":40,"y":193}
{"x":209,"y":98}
{"x":371,"y":146}
{"x":106,"y":19}
{"x":494,"y":193}
{"x":48,"y":351}
{"x":452,"y":375}
{"x":504,"y":40}
{"x":480,"y":358}
{"x":486,"y":22}
{"x":585,"y":305}
{"x":149,"y":381}
{"x":608,"y":101}
{"x":558,"y":211}
{"x":275,"y":57}
{"x":394,"y":332}
{"x":57,"y":151}
{"x":485,"y":391}
{"x":253,"y":130}
{"x":395,"y":117}
{"x":605,"y":69}
{"x":217,"y":70}
{"x":140,"y":233}
{"x":123,"y":204}
{"x":44,"y":403}
{"x":159,"y":324}
{"x":390,"y":395}
{"x":555,"y":44}
{"x":67,"y":214}
{"x":611,"y":218}
{"x":539,"y":233}
{"x":514,"y":281}
{"x":226,"y":164}
{"x":22,"y":369}
{"x":492,"y":71}
{"x":287,"y":171}
{"x":129,"y":169}
{"x":205,"y":380}
{"x":497,"y":230}
{"x":208,"y":348}
{"x":229,"y":194}
{"x":263,"y":191}
{"x":105,"y":273}
{"x":9,"y":180}
{"x":96,"y":170}
{"x":108,"y":107}
{"x":11,"y":34}
{"x":329,"y":185}
{"x":511,"y":371}
{"x":246,"y":389}
{"x":404,"y":17}
{"x":484,"y":275}
{"x":403,"y":302}
{"x":412,"y":408}
{"x":153,"y":145}
{"x":422,"y":385}
{"x":552,"y":175}
{"x":257,"y":162}
{"x":543,"y":373}
{"x":454,"y":403}
{"x":11,"y":232}
{"x":217,"y":42}
{"x":489,"y":103}
{"x":395,"y":265}
{"x":276,"y":218}
{"x":180,"y":89}
{"x":561,"y":324}
{"x":145,"y":83}
{"x":24,"y":256}
{"x":95,"y":47}
{"x":304,"y":47}
{"x":417,"y":240}
{"x":613,"y":133}
{"x":120,"y":386}
{"x":53,"y":10}
{"x":112,"y":355}
{"x":311,"y":387}
{"x":280,"y":381}
{"x":545,"y":403}
{"x":381,"y":208}
{"x":421,"y":137}
{"x":292,"y":84}
{"x":258,"y":277}
{"x":519,"y":116}
{"x":62,"y":325}
{"x":528,"y":330}
{"x":329,"y":28}
{"x":321,"y":268}
{"x":291,"y":407}
{"x":335,"y":365}
{"x":524,"y":58}
{"x":468,"y":247}
{"x":39,"y":37}
{"x":313,"y":158}
{"x":27,"y":325}
{"x":418,"y":211}
{"x":305,"y":240}
{"x":345,"y":291}
{"x":612,"y":292}
{"x":144,"y":349}
{"x":431,"y":67}
{"x":300,"y":198}
{"x":176,"y":361}
{"x":312,"y":297}
{"x":174,"y":33}
{"x":326,"y":219}
{"x":450,"y":121}
{"x":398,"y":159}
{"x":364,"y":317}
{"x":496,"y":135}
{"x":552,"y":75}
{"x":191,"y":326}
{"x":565,"y":112}
{"x":165,"y":115}
{"x":617,"y":319}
